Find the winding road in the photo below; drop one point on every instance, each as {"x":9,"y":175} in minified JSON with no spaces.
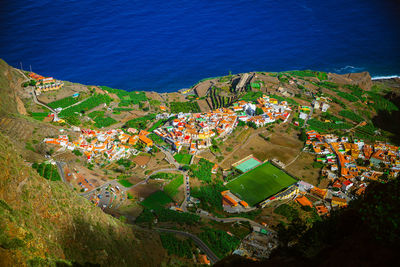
{"x":210,"y":254}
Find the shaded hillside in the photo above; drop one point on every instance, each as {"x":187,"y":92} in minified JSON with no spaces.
{"x":45,"y":222}
{"x":364,"y":234}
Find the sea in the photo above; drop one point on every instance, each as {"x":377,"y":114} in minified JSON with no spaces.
{"x":165,"y":46}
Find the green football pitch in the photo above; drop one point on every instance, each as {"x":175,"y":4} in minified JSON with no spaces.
{"x":260,"y":183}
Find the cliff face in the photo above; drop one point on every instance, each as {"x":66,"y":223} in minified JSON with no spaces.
{"x":362,"y":79}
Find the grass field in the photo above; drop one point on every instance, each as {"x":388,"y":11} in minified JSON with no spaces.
{"x":125,"y":182}
{"x":260,"y":183}
{"x":156,"y":200}
{"x":172,"y":187}
{"x":183,"y":158}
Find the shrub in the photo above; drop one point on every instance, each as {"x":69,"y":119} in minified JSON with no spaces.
{"x":202,"y":170}
{"x":185,"y":107}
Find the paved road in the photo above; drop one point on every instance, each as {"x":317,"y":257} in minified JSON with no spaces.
{"x":186,"y":187}
{"x":61,"y":171}
{"x":210,"y":254}
{"x":169,"y":156}
{"x":309,"y":116}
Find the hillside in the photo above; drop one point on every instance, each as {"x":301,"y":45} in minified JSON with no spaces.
{"x":47,"y":223}
{"x":223,"y":91}
{"x":44,"y":221}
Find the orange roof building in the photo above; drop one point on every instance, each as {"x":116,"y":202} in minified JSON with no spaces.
{"x":230,"y":201}
{"x":203,"y":259}
{"x":304,"y":201}
{"x":244,"y":203}
{"x":145,"y":140}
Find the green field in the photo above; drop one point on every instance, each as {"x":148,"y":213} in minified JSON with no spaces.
{"x":260,"y":183}
{"x":172,"y":187}
{"x":156,"y":200}
{"x":183,"y":158}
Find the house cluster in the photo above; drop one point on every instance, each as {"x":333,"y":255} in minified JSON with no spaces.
{"x":112,"y":144}
{"x":195,"y":130}
{"x":44,"y":84}
{"x":351,"y":165}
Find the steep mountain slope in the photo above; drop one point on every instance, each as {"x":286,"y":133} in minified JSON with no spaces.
{"x":42,"y":221}
{"x":46,"y":223}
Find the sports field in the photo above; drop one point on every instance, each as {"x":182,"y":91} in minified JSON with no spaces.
{"x":260,"y":183}
{"x":249,"y":164}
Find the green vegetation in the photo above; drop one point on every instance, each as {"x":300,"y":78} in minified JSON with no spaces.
{"x":251,"y":96}
{"x":167,"y":215}
{"x":356,"y":91}
{"x":156,"y":125}
{"x":127,"y":98}
{"x":317,"y":165}
{"x":141,"y":122}
{"x":100,"y":120}
{"x":323,"y":127}
{"x":202,"y":170}
{"x":86,"y":105}
{"x":351,"y":115}
{"x":64,"y":102}
{"x":48,"y":171}
{"x":280,"y":99}
{"x":124,"y":162}
{"x":288,"y":211}
{"x":260,"y":183}
{"x":156,"y":139}
{"x":210,"y":196}
{"x":184,"y":107}
{"x":39,"y":115}
{"x":329,"y":85}
{"x":381,"y":104}
{"x":165,"y":175}
{"x":121,"y":109}
{"x":309,"y":73}
{"x":125,"y":182}
{"x":220,"y":242}
{"x":175,"y":246}
{"x":77,"y":152}
{"x":348,"y":96}
{"x":183,"y":158}
{"x":172,"y":187}
{"x":156,"y":200}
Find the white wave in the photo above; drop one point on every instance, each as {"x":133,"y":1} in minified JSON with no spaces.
{"x":384,"y":77}
{"x":348,"y":69}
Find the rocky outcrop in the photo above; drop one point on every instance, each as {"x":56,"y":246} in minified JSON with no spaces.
{"x":362,"y":79}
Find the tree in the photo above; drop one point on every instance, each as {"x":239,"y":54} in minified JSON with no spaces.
{"x":259,"y":111}
{"x":303,"y":135}
{"x":252,"y":124}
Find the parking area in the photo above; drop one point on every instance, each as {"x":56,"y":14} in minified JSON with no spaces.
{"x":108,"y":197}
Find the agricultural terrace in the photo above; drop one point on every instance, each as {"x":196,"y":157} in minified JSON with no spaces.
{"x":86,"y":105}
{"x":48,"y":171}
{"x":39,"y":115}
{"x":64,"y":102}
{"x":100,"y":120}
{"x":127,"y":98}
{"x":185,"y":107}
{"x":260,"y":183}
{"x":141,"y":122}
{"x":156,"y":200}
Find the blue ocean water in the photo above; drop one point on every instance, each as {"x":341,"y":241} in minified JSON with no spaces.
{"x":169,"y":45}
